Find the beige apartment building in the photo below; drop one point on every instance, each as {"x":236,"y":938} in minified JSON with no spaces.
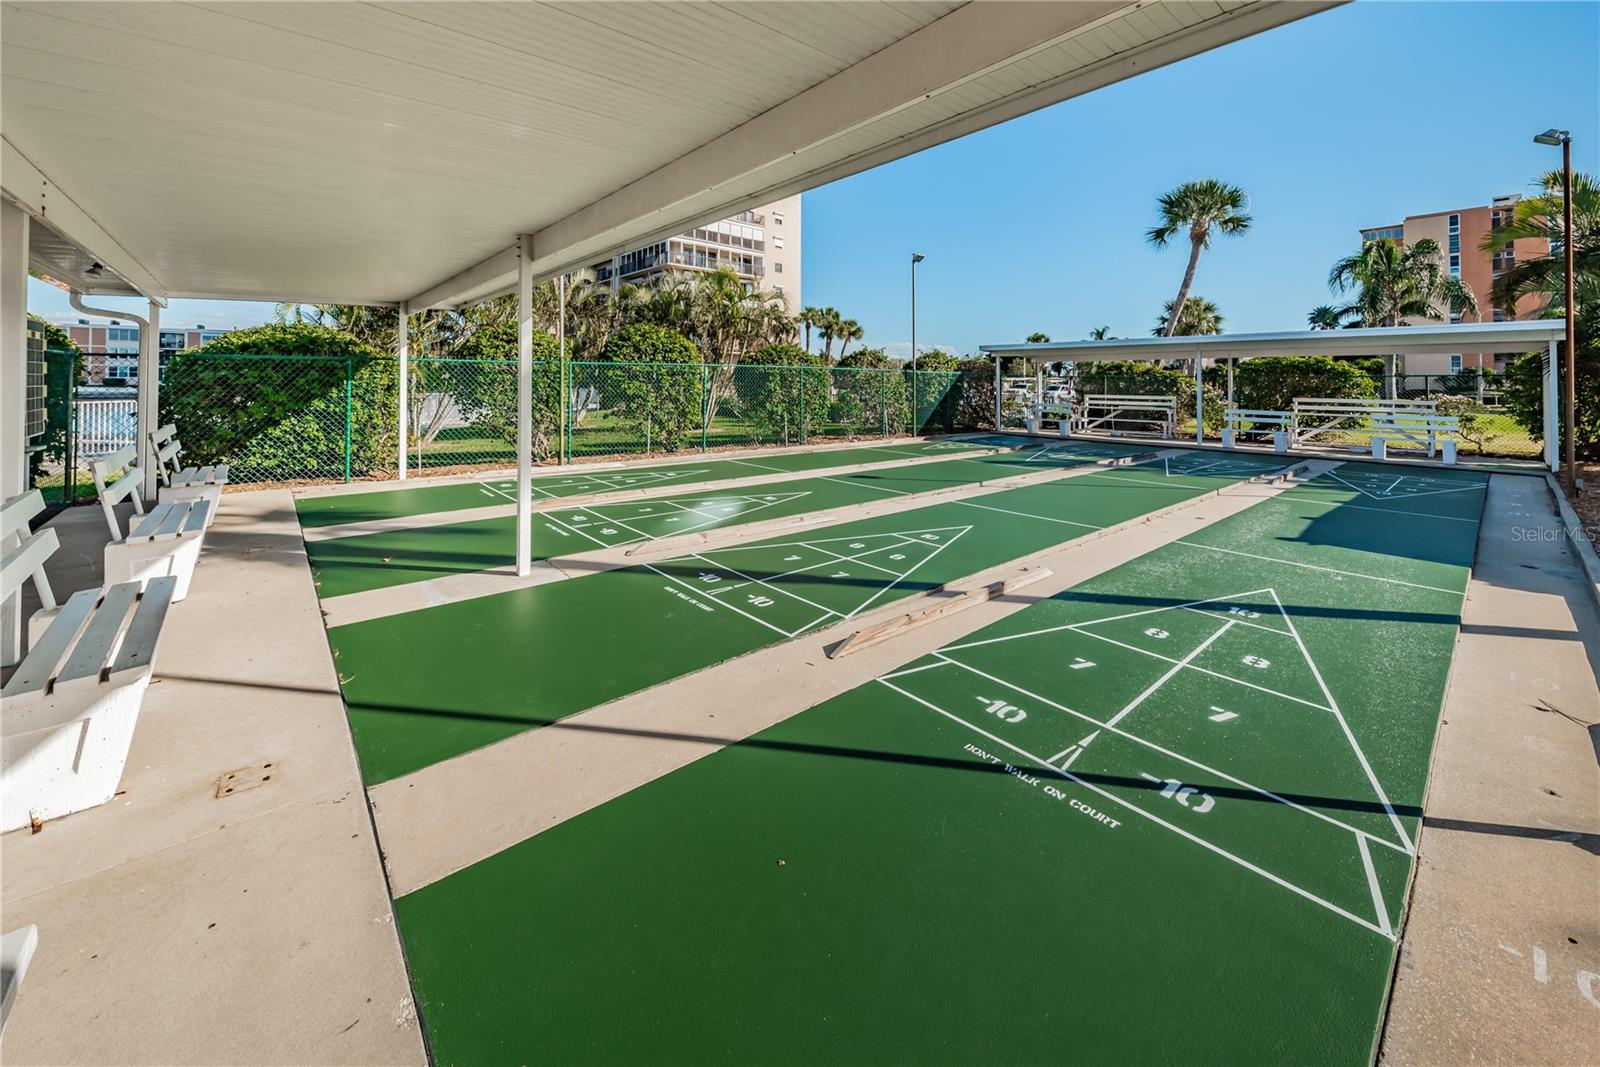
{"x":111,"y":348}
{"x":761,"y":246}
{"x":1460,"y":234}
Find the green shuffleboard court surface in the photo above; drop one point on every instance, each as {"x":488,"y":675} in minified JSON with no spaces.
{"x":395,"y":557}
{"x":1165,"y":816}
{"x":575,"y":481}
{"x":426,"y":685}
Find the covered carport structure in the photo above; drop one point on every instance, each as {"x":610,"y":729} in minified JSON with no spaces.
{"x":1389,"y":342}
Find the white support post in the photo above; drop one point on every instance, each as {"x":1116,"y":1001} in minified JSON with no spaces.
{"x":1231,"y":362}
{"x":148,"y":410}
{"x":403,"y":346}
{"x":999,"y":406}
{"x":1199,"y":401}
{"x":1552,"y":424}
{"x":524,"y":405}
{"x":14,"y":224}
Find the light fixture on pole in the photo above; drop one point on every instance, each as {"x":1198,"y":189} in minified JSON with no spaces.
{"x":1564,"y":139}
{"x":916,"y":257}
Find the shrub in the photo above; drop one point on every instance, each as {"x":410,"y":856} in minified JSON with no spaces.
{"x":271,"y":402}
{"x":663,"y":391}
{"x":785,"y":391}
{"x":1272,"y":383}
{"x":1472,"y":415}
{"x":483,"y":383}
{"x":871,"y":395}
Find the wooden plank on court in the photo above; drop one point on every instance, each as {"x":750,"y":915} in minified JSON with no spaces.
{"x":956,"y":599}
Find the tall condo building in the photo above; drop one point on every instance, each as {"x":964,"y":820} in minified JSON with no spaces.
{"x":1459,"y":234}
{"x":761,"y":246}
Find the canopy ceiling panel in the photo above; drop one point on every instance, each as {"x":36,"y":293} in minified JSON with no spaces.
{"x":375,"y":153}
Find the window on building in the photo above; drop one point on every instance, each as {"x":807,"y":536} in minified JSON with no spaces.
{"x":1455,"y":223}
{"x":778,"y":289}
{"x":777,"y":217}
{"x":1455,"y":364}
{"x":777,"y":241}
{"x":1455,"y":242}
{"x":777,"y":266}
{"x":1499,"y":316}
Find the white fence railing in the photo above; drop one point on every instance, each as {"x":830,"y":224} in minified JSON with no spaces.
{"x":106,"y":425}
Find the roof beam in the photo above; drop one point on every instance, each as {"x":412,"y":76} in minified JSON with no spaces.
{"x":33,"y":191}
{"x":757,"y":160}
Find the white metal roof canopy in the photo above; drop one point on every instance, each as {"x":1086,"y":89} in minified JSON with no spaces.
{"x":1376,"y":341}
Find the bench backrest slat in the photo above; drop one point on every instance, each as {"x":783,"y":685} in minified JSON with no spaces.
{"x":26,"y":560}
{"x":105,"y":470}
{"x":18,"y":512}
{"x":138,"y":649}
{"x":39,"y":666}
{"x":93,"y":650}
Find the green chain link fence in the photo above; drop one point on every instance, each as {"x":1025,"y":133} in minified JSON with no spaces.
{"x":307,"y":418}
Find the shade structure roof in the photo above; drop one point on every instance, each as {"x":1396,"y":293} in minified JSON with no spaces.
{"x":389,"y":152}
{"x":1376,"y":341}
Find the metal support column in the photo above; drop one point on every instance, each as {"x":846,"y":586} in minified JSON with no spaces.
{"x":148,"y":412}
{"x":999,"y":407}
{"x":14,"y":224}
{"x":403,"y":347}
{"x":1552,"y":396}
{"x":524,"y":406}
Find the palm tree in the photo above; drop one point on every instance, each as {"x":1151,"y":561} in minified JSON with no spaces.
{"x":828,"y":330}
{"x":1100,"y":333}
{"x":1394,"y":283}
{"x":1324,"y":317}
{"x":1037,"y":338}
{"x":849,"y":330}
{"x":1541,"y":218}
{"x":1198,"y":207}
{"x":809,"y":317}
{"x":1200,"y":318}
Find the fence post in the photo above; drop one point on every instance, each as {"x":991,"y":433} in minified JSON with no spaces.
{"x":800,"y":373}
{"x":705,"y":408}
{"x":349,"y":377}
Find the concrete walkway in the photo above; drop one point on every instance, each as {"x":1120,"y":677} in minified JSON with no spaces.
{"x":1500,"y":959}
{"x":179,"y":927}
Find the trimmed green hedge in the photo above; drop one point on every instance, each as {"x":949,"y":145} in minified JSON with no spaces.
{"x":664,"y":399}
{"x":280,"y":413}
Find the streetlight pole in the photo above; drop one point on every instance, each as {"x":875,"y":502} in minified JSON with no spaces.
{"x":916,"y":257}
{"x":1564,"y":139}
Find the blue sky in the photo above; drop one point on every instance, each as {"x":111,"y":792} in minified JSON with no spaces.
{"x":1355,"y":117}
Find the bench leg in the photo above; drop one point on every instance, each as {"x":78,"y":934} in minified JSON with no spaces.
{"x":1380,"y":449}
{"x":1227,"y":437}
{"x":66,"y":753}
{"x":1280,"y":440}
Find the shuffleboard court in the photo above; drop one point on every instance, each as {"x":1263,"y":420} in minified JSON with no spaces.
{"x":426,"y":685}
{"x":394,"y":557}
{"x":1168,"y":815}
{"x":339,"y":508}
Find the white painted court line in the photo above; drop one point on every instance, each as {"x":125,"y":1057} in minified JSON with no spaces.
{"x":761,"y":466}
{"x":1315,"y":567}
{"x":1074,"y":627}
{"x":1112,"y":618}
{"x":552,"y":520}
{"x":1171,"y":754}
{"x":1378,"y":907}
{"x":1350,"y":736}
{"x":1028,"y":515}
{"x":731,"y":607}
{"x":947,"y":543}
{"x":761,"y":582}
{"x":1121,"y":803}
{"x":1347,"y":506}
{"x":866,"y":485}
{"x":1388,"y":493}
{"x":1165,"y":678}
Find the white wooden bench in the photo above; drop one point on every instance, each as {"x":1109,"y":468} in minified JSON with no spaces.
{"x":1415,"y":421}
{"x":164,"y":540}
{"x":1256,"y":420}
{"x":1126,"y":415}
{"x":68,"y":712}
{"x":1059,"y":412}
{"x":24,"y":556}
{"x":186,"y":483}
